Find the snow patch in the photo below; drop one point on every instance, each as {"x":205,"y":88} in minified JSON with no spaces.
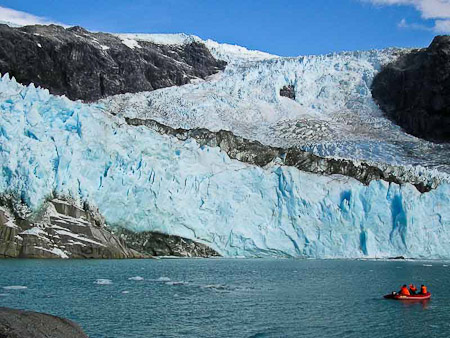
{"x":56,"y":251}
{"x":35,"y":231}
{"x":78,"y":237}
{"x":130,"y":43}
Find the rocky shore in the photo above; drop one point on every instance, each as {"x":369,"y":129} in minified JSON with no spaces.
{"x":27,"y":324}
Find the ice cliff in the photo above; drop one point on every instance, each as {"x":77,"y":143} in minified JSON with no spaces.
{"x":143,"y":180}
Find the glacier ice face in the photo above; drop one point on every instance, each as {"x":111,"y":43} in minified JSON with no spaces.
{"x":333,"y":113}
{"x":146,"y":181}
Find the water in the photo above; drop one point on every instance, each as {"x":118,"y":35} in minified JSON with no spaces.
{"x":231,"y":298}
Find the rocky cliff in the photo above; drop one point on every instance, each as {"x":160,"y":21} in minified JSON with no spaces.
{"x":63,"y":230}
{"x":88,"y":66}
{"x":414,"y":91}
{"x":158,"y":244}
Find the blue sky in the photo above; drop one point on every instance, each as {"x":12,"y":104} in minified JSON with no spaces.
{"x":283,"y":27}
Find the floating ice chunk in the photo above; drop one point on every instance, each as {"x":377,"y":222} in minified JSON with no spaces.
{"x":136,"y":278}
{"x":15,"y":287}
{"x":176,"y":283}
{"x":216,"y":287}
{"x":102,"y":281}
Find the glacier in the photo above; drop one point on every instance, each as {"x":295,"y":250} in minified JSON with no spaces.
{"x":143,"y":180}
{"x":333,"y":114}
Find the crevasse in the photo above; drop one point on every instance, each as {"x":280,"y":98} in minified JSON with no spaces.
{"x":146,"y":181}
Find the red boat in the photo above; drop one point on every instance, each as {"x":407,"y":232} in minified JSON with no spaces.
{"x":419,"y":296}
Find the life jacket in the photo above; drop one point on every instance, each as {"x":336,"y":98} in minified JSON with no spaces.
{"x":423,"y":289}
{"x":404,"y":291}
{"x":412,"y":287}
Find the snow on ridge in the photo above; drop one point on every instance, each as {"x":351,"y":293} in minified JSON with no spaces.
{"x":161,"y":39}
{"x":222,"y":51}
{"x":130,"y":43}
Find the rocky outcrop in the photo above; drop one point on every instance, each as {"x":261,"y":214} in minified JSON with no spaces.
{"x":88,"y":66}
{"x":414,"y":91}
{"x":61,"y":231}
{"x":64,"y":230}
{"x":288,"y":91}
{"x":157,"y":244}
{"x":27,"y":324}
{"x":256,"y":153}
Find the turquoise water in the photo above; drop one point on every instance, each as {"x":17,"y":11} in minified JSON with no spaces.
{"x":231,"y":298}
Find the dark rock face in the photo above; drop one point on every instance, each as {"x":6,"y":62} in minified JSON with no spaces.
{"x":89,"y":66}
{"x":63,"y":231}
{"x":414,"y":91}
{"x":288,"y":91}
{"x":157,"y":244}
{"x":27,"y":324}
{"x":254,"y":152}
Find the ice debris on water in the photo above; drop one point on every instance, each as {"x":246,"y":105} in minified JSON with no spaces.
{"x":102,"y":281}
{"x":15,"y":287}
{"x":136,"y":278}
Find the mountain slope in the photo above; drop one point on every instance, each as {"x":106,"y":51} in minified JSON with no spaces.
{"x":415,"y":91}
{"x":88,"y":66}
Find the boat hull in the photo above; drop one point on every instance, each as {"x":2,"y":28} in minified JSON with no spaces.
{"x":411,"y":297}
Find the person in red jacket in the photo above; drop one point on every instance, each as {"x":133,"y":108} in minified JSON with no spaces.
{"x":412,"y":289}
{"x":423,"y":289}
{"x":404,"y":291}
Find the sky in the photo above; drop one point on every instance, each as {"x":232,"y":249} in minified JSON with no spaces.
{"x":282,"y":27}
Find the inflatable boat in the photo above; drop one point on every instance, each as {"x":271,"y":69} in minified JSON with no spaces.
{"x":419,"y":296}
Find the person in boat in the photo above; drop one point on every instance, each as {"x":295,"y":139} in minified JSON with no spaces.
{"x":423,"y":289}
{"x":404,"y":291}
{"x":412,"y":289}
